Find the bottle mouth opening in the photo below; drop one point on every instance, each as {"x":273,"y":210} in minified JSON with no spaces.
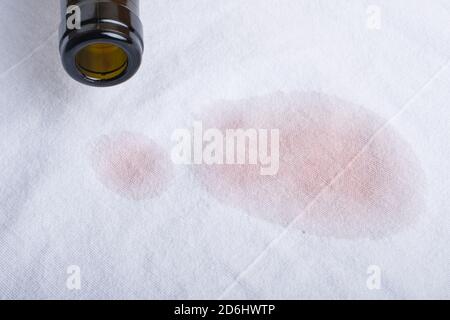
{"x":101,"y":61}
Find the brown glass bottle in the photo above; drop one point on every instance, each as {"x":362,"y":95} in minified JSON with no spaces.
{"x":101,"y":41}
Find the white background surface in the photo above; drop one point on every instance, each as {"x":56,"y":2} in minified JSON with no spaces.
{"x":185,"y":244}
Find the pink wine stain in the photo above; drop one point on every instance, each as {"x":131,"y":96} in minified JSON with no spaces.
{"x":334,"y":179}
{"x":131,"y":165}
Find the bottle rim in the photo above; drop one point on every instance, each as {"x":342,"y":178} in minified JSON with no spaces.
{"x":71,"y":47}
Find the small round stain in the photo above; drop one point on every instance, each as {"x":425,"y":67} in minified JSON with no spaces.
{"x":342,"y":172}
{"x":131,"y":165}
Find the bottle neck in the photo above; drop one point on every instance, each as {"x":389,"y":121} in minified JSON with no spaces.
{"x":101,"y":41}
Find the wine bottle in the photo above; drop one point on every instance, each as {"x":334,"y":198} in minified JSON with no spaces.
{"x":101,"y":41}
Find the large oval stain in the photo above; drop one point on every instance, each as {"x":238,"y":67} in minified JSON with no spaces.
{"x":342,"y":171}
{"x":131,"y":165}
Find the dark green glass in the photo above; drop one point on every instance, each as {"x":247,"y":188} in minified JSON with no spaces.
{"x":101,"y":41}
